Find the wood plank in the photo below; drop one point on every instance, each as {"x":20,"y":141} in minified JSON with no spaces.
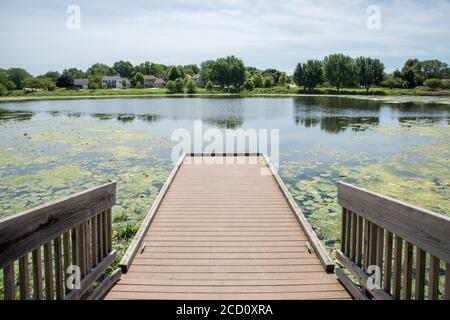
{"x":348,"y":233}
{"x":387,"y":276}
{"x":67,"y":258}
{"x":100,"y":291}
{"x":92,"y":276}
{"x":353,"y":237}
{"x":37,"y":274}
{"x":101,"y":249}
{"x":433,"y":279}
{"x":24,"y":278}
{"x":362,"y":276}
{"x":230,"y":296}
{"x":447,"y":281}
{"x":354,"y":290}
{"x":59,"y":277}
{"x":9,"y":284}
{"x":397,"y":286}
{"x":380,"y":252}
{"x":366,"y":244}
{"x":48,"y":271}
{"x":420,"y":274}
{"x":24,"y":232}
{"x":94,"y":241}
{"x":320,"y":250}
{"x":407,"y":276}
{"x":138,"y":261}
{"x":420,"y":227}
{"x":359,"y":248}
{"x":136,"y":243}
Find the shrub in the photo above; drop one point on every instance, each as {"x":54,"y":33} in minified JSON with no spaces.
{"x":191,"y":87}
{"x":445,"y":85}
{"x":170,"y":86}
{"x":179,"y":85}
{"x":34,"y":83}
{"x":249,"y":85}
{"x":433,"y":84}
{"x":94,"y":86}
{"x":209,"y":86}
{"x":268,"y":82}
{"x":126,"y":231}
{"x":10,"y":85}
{"x":2,"y":90}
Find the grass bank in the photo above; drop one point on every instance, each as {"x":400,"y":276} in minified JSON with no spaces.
{"x":63,"y":94}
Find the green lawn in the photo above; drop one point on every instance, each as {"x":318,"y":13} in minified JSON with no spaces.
{"x":279,"y":90}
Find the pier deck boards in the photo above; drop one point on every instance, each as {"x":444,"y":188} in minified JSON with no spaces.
{"x":225,"y":231}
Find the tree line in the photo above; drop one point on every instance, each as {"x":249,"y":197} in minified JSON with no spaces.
{"x":336,"y":70}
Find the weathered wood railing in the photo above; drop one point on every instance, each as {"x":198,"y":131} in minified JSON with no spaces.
{"x":40,"y":248}
{"x":410,"y":246}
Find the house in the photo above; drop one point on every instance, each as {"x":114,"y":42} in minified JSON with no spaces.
{"x":153,"y":82}
{"x":81,"y":84}
{"x":114,"y":82}
{"x":198,"y":80}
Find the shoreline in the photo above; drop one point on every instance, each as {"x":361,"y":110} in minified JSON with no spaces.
{"x":382,"y":98}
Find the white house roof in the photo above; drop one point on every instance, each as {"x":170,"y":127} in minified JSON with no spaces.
{"x":110,"y":78}
{"x":80,"y":82}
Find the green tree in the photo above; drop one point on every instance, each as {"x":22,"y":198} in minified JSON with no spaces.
{"x":74,"y":73}
{"x":274,"y":73}
{"x":179,"y":85}
{"x":228,"y":71}
{"x":124,"y":69}
{"x":249,"y":85}
{"x":283,"y":79}
{"x":52,"y":75}
{"x":258,"y":80}
{"x":209,"y":85}
{"x":138,"y":80}
{"x":191,"y":86}
{"x":369,"y":72}
{"x":390,"y":81}
{"x":206,"y":70}
{"x":269,"y":81}
{"x":64,"y":81}
{"x":338,"y":70}
{"x":17,"y":75}
{"x":3,"y":90}
{"x":100,"y":69}
{"x":434,"y":69}
{"x":412,"y":73}
{"x":192,"y":69}
{"x":9,"y":85}
{"x":312,"y":74}
{"x":34,"y":83}
{"x":299,"y":75}
{"x":433,"y":84}
{"x":175,"y":73}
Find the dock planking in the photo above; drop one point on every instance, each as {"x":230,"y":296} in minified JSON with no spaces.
{"x":222,"y":230}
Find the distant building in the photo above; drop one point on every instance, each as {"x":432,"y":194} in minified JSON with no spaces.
{"x":198,"y":80}
{"x":81,"y":83}
{"x":114,"y":82}
{"x":153,"y":82}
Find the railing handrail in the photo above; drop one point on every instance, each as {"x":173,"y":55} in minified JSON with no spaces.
{"x":24,"y":232}
{"x":427,"y":230}
{"x":405,"y":245}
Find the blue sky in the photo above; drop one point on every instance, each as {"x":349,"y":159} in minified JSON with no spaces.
{"x":33,"y":34}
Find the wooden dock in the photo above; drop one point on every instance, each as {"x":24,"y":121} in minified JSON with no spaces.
{"x":226,"y":228}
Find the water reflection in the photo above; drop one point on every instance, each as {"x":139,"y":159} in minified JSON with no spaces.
{"x":8,"y":115}
{"x":226,"y":122}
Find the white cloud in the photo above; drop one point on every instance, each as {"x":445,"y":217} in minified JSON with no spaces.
{"x":265,"y":33}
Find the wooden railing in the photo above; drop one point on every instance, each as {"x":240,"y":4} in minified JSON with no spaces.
{"x":409,"y":246}
{"x":40,"y":247}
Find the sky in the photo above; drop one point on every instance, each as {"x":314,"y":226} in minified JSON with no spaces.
{"x":264,"y":33}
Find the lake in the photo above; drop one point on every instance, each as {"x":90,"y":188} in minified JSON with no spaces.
{"x":50,"y":149}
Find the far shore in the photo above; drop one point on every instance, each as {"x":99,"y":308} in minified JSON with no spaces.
{"x":383,"y":98}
